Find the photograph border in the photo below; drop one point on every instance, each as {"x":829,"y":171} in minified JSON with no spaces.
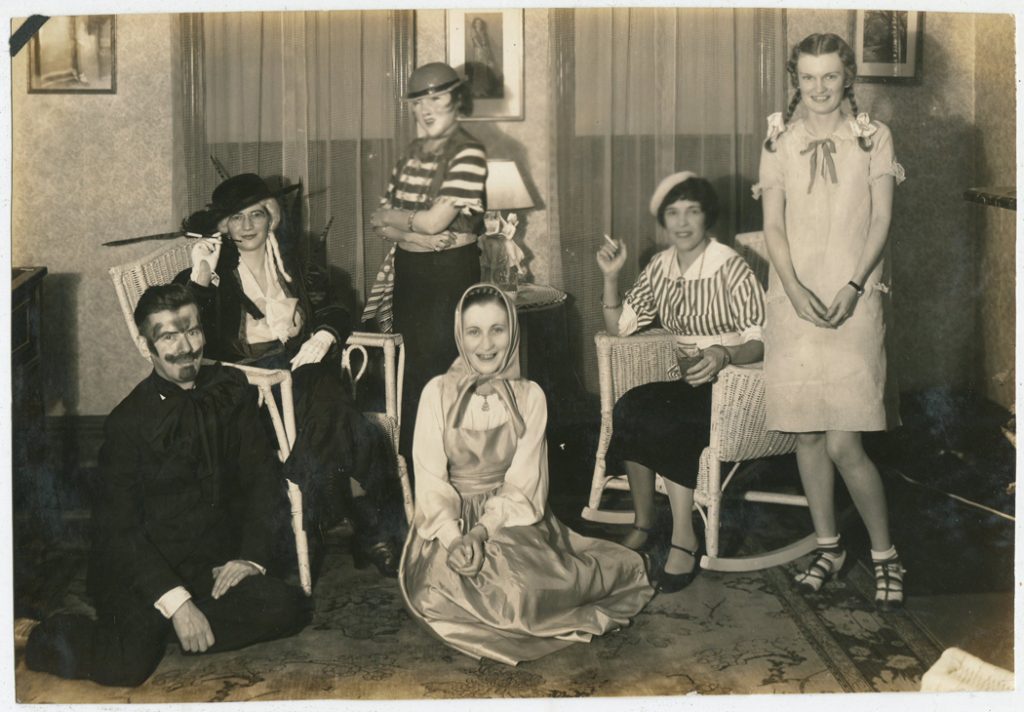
{"x":510,"y":107}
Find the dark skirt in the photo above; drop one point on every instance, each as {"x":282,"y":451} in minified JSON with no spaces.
{"x":334,"y":444}
{"x":664,"y":426}
{"x":428,"y":286}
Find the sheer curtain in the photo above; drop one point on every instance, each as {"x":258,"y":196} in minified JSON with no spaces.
{"x":640,"y":94}
{"x":310,"y":97}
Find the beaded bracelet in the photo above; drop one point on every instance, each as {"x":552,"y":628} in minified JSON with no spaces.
{"x":412,"y":216}
{"x":860,"y":289}
{"x":611,"y":306}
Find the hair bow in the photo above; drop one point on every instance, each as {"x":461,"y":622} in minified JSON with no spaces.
{"x":776,"y":125}
{"x":862,"y":126}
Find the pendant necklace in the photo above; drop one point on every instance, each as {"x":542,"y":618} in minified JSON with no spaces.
{"x":486,"y":406}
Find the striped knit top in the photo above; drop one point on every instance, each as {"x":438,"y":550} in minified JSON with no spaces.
{"x":463,"y":186}
{"x":718,"y":296}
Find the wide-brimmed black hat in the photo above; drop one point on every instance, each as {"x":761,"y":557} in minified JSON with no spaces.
{"x":231,"y":196}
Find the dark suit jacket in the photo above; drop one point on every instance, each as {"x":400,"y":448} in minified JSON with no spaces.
{"x":188,"y":480}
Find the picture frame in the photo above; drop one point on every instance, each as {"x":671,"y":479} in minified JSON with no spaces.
{"x":888,"y":45}
{"x":73,"y":54}
{"x":486,"y":47}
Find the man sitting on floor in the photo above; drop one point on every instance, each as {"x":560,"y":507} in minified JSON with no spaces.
{"x":184,"y":517}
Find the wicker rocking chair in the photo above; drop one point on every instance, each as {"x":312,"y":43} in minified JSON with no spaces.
{"x":737,"y":431}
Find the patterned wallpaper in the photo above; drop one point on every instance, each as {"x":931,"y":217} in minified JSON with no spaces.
{"x":995,"y":106}
{"x":93,"y":167}
{"x":89,"y":168}
{"x":527,"y":142}
{"x":932,"y":236}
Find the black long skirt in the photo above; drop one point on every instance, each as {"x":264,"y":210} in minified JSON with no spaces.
{"x":428,"y":286}
{"x":664,"y":426}
{"x":335,"y":444}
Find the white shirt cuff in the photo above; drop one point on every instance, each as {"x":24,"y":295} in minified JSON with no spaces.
{"x":169,"y":603}
{"x":752,"y":333}
{"x":627,"y":320}
{"x":259,"y":568}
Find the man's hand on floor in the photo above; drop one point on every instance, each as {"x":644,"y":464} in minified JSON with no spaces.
{"x":192,"y":628}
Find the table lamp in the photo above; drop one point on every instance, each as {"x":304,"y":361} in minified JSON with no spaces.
{"x":502,"y":257}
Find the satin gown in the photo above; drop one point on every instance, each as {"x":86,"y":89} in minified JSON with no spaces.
{"x":542,"y":586}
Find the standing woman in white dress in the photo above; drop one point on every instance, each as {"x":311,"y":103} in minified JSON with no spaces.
{"x":827,"y":181}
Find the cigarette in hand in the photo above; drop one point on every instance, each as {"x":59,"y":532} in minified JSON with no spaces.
{"x":611,"y":242}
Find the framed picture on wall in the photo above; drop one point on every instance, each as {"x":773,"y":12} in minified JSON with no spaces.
{"x":73,"y":55}
{"x":888,"y":45}
{"x":486,"y":47}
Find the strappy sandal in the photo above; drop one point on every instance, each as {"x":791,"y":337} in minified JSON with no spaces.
{"x":648,"y":542}
{"x":826,"y":565}
{"x":670,"y":583}
{"x":889,"y":584}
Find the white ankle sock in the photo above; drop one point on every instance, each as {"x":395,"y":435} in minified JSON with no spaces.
{"x":883,"y":555}
{"x":828,"y":542}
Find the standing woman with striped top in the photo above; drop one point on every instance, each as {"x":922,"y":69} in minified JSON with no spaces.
{"x":433,"y":213}
{"x":707,"y":295}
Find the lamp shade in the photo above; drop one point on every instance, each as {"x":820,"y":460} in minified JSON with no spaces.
{"x":505,"y":187}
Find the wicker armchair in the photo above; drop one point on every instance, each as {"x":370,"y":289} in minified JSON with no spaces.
{"x":737,"y":431}
{"x":161,"y":266}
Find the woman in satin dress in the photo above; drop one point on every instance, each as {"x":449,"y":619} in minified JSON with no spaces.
{"x":487,"y":567}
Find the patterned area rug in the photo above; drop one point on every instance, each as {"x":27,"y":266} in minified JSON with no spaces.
{"x":725,"y":634}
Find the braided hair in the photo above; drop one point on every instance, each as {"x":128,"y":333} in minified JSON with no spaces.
{"x":816,"y":45}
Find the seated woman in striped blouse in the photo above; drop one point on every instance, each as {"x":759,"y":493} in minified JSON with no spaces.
{"x":707,"y":295}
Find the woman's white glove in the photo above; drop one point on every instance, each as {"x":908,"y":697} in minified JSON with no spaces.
{"x":205,"y":254}
{"x":314,"y":350}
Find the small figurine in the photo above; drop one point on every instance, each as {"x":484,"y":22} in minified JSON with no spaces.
{"x":502,"y":258}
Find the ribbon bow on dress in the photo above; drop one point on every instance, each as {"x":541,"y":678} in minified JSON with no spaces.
{"x":828,"y":166}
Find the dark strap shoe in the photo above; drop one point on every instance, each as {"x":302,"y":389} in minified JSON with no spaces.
{"x":383,"y":555}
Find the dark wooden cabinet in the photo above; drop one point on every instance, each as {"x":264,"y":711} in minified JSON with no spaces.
{"x":26,"y":374}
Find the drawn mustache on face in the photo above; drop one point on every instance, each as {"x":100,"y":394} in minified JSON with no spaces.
{"x":183,"y":357}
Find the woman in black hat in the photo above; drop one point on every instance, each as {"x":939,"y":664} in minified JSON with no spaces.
{"x":256,"y":310}
{"x":433,"y":213}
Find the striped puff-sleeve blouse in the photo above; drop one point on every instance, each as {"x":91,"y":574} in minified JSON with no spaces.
{"x":463,"y":185}
{"x":718,"y":299}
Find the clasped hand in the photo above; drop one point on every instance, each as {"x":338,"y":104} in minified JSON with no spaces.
{"x":387,"y":229}
{"x":810,"y":308}
{"x":713,"y":359}
{"x":843,"y":306}
{"x":377,"y":217}
{"x":466,"y":555}
{"x":435,"y":243}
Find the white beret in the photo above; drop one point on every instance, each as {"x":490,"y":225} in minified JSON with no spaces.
{"x":668,"y":183}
